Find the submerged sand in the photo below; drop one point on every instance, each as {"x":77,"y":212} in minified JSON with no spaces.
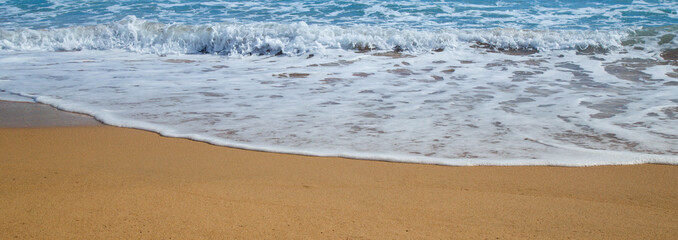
{"x":87,"y":182}
{"x":28,"y":114}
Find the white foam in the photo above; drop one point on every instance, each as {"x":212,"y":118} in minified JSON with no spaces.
{"x":143,"y":36}
{"x":549,"y":108}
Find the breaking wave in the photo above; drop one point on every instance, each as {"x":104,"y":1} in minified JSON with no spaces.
{"x":142,"y":36}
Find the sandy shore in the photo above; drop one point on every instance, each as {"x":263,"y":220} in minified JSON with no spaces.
{"x":103,"y":182}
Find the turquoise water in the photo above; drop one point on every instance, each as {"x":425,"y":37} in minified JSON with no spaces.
{"x":571,"y":83}
{"x":590,"y":15}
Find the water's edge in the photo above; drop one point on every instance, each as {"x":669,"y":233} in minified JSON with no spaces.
{"x":110,"y":120}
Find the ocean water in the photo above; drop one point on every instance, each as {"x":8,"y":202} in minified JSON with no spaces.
{"x":570,"y":83}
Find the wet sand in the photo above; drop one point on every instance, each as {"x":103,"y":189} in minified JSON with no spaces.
{"x":26,"y":114}
{"x":69,"y":181}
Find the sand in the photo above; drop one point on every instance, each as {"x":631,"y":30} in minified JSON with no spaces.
{"x":103,"y":182}
{"x":26,"y":114}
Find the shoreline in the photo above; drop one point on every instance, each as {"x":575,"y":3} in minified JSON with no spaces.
{"x":15,"y":114}
{"x":95,"y":181}
{"x":45,"y":115}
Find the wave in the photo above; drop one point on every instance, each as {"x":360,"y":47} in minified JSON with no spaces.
{"x":143,"y":36}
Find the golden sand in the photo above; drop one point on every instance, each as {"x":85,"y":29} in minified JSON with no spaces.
{"x":103,"y":182}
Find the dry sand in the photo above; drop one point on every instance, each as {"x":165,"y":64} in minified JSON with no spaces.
{"x":103,"y":182}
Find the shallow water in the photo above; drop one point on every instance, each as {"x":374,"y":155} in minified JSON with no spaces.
{"x":590,"y":87}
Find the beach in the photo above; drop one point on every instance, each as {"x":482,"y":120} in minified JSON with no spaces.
{"x":91,"y":181}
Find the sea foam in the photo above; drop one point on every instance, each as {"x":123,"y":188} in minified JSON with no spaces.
{"x":460,"y":106}
{"x":405,"y":82}
{"x":143,"y":36}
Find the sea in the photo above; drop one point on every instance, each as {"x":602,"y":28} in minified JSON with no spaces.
{"x":459,"y":82}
